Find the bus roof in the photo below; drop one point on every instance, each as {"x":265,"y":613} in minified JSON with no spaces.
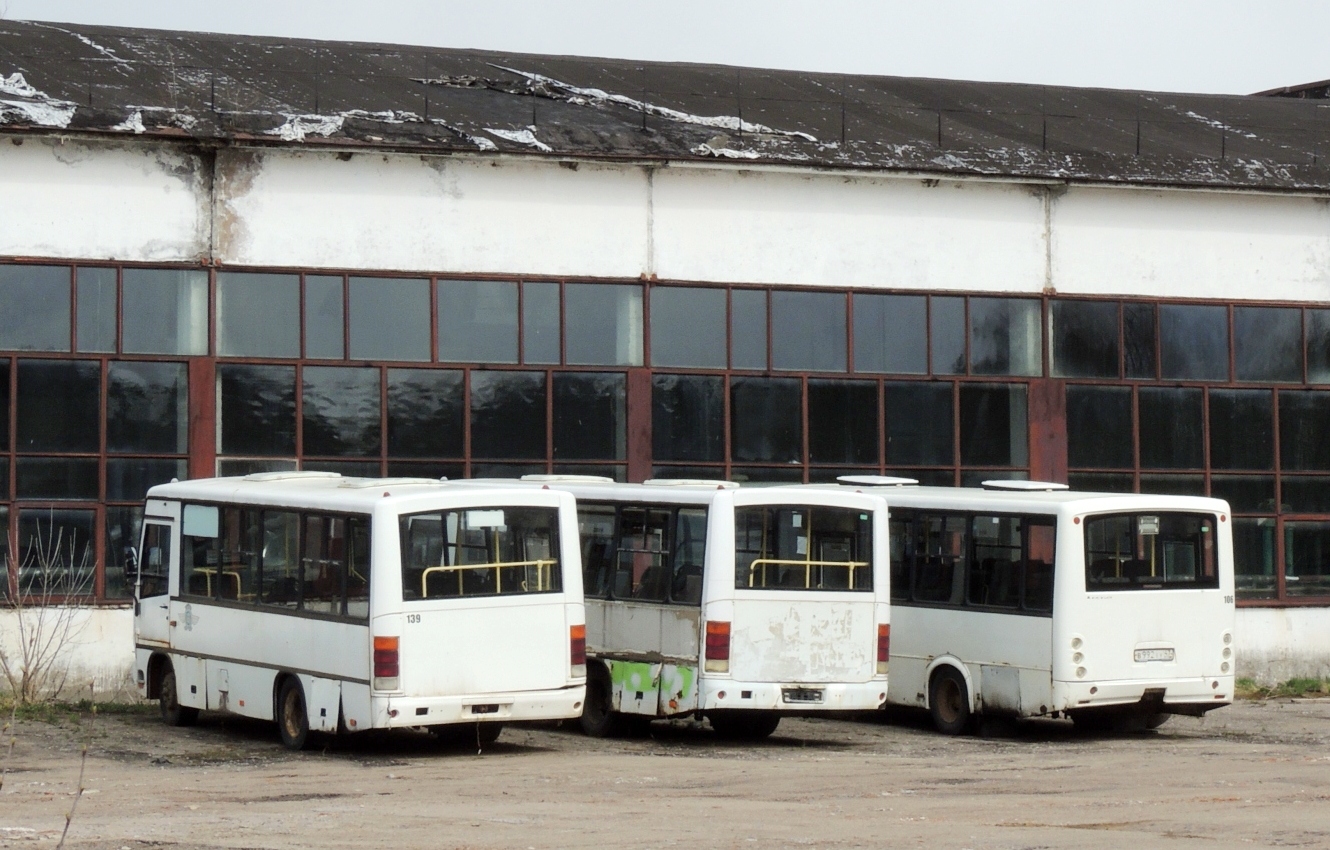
{"x":1032,"y":501}
{"x":689,"y":491}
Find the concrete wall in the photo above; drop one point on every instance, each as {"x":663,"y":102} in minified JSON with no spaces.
{"x":97,"y":648}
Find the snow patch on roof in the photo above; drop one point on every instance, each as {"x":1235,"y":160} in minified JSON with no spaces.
{"x":28,"y":105}
{"x":521,"y":137}
{"x":297,"y":127}
{"x":105,"y":51}
{"x":1219,"y":125}
{"x":134,"y":123}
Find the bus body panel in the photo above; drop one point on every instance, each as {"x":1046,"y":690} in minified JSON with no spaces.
{"x":805,"y":637}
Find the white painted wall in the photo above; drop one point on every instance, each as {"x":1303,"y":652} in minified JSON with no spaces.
{"x":99,"y":649}
{"x":1276,"y":644}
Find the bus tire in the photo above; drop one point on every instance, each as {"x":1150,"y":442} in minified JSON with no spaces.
{"x":168,"y":699}
{"x":1154,"y":721}
{"x":487,"y":733}
{"x":292,"y":719}
{"x":744,"y":725}
{"x":949,"y":701}
{"x":599,"y":719}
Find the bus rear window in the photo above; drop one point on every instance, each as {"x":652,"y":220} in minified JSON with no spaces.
{"x":779,"y":547}
{"x":492,"y":551}
{"x":1150,"y":551}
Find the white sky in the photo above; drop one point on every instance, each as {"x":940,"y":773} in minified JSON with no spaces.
{"x":1223,"y":46}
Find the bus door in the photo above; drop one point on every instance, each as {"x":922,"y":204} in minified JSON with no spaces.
{"x":152,"y":608}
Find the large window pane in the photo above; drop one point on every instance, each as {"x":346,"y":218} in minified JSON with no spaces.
{"x":891,"y":333}
{"x":258,"y":410}
{"x":165,"y":311}
{"x":1102,"y":482}
{"x":687,"y":418}
{"x":1099,"y":427}
{"x":688,"y":327}
{"x":34,"y":308}
{"x":842,"y":422}
{"x":123,"y":525}
{"x":946,"y":321}
{"x":389,"y":318}
{"x":1172,"y":435}
{"x":96,"y":309}
{"x":4,"y":406}
{"x":507,"y":415}
{"x":1318,"y":346}
{"x":1193,"y":342}
{"x":426,"y":413}
{"x":808,"y":331}
{"x":128,"y":479}
{"x":478,"y":321}
{"x":340,"y":414}
{"x":1304,"y":423}
{"x":258,"y":315}
{"x":1254,"y":557}
{"x":540,"y":323}
{"x":1173,"y":485}
{"x":1305,"y":494}
{"x":590,"y":422}
{"x":1005,"y":336}
{"x":993,"y":425}
{"x":147,"y":407}
{"x":1138,"y":340}
{"x":324,"y":318}
{"x":1307,"y":558}
{"x":1267,"y":343}
{"x":765,"y":420}
{"x":748,"y":329}
{"x":58,"y":406}
{"x":919,"y":424}
{"x":1242,"y":430}
{"x":1250,"y":494}
{"x":1085,"y":339}
{"x":72,"y":478}
{"x":603,"y":322}
{"x":56,"y":552}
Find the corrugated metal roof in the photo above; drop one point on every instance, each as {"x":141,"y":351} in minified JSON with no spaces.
{"x":225,"y":88}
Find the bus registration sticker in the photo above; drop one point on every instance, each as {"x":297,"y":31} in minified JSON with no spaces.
{"x":1143,"y":655}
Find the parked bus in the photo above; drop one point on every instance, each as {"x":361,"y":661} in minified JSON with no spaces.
{"x":738,"y":605}
{"x":1024,"y":599}
{"x":343,"y":604}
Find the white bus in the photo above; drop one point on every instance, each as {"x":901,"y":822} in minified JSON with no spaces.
{"x":1024,"y":599}
{"x":344,"y":604}
{"x":733,"y":604}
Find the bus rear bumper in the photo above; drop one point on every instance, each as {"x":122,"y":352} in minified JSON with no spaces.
{"x":1181,"y":696}
{"x":557,"y":704}
{"x":792,"y":696}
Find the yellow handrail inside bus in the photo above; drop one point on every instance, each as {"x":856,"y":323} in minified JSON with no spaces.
{"x":542,"y":564}
{"x":763,"y":563}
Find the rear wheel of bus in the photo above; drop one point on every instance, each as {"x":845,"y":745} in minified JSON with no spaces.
{"x":949,"y":701}
{"x":599,"y":719}
{"x":292,"y":719}
{"x":168,"y":699}
{"x":744,"y":725}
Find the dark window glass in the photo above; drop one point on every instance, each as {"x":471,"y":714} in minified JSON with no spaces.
{"x":426,"y":469}
{"x":641,"y":568}
{"x":947,"y":323}
{"x":258,"y":415}
{"x":1193,"y":342}
{"x":349,"y":468}
{"x":340,"y":411}
{"x":56,"y":552}
{"x":4,"y":407}
{"x":842,"y":422}
{"x":674,"y":470}
{"x":940,"y":544}
{"x":1005,"y":336}
{"x":1307,"y":558}
{"x":689,"y":555}
{"x":590,"y":422}
{"x":123,"y":525}
{"x":279,"y":560}
{"x":426,"y":413}
{"x":976,"y":477}
{"x":1305,"y":494}
{"x":507,"y":415}
{"x":1151,"y":551}
{"x":687,"y":417}
{"x":688,"y":327}
{"x":34,"y":308}
{"x":802,"y":548}
{"x":1254,"y":558}
{"x":1242,"y":430}
{"x":767,"y":474}
{"x":603,"y":324}
{"x":1099,"y":427}
{"x":1138,"y":340}
{"x":1172,"y":435}
{"x":595,"y":527}
{"x":165,"y":311}
{"x":389,"y":318}
{"x":4,"y":551}
{"x":1102,"y":482}
{"x":891,"y":333}
{"x":147,"y":407}
{"x":1085,"y":339}
{"x":1245,"y":493}
{"x":901,"y":549}
{"x":829,"y":474}
{"x":484,"y":551}
{"x":4,"y":494}
{"x":765,"y":417}
{"x":57,"y":478}
{"x":992,"y":423}
{"x":478,"y":321}
{"x":258,"y":315}
{"x":128,"y":479}
{"x":1267,"y":343}
{"x":808,"y":331}
{"x":480,"y":469}
{"x":1318,"y":346}
{"x":1304,"y":423}
{"x":325,"y":326}
{"x":748,"y":329}
{"x":540,"y":323}
{"x":919,"y":424}
{"x":1173,"y":485}
{"x":58,"y":406}
{"x":96,"y":309}
{"x":248,"y":466}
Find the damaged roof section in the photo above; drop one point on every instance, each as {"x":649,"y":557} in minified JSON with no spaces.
{"x":224,"y":88}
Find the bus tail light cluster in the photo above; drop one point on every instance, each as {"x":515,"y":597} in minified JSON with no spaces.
{"x":386,"y":667}
{"x":718,"y":647}
{"x":883,"y":646}
{"x":1227,"y":664}
{"x":577,"y":650}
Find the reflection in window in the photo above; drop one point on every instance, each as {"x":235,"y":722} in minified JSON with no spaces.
{"x":920,"y":424}
{"x":748,"y":329}
{"x":325,"y":326}
{"x":258,"y":315}
{"x":164,"y":311}
{"x":340,"y":411}
{"x":1254,"y":557}
{"x":1102,"y":482}
{"x":56,"y":552}
{"x":477,"y":321}
{"x":390,"y":318}
{"x":487,"y":551}
{"x":57,"y":406}
{"x":603,"y":322}
{"x":1245,"y":493}
{"x":258,"y":410}
{"x":1193,"y":342}
{"x":1005,"y":336}
{"x":891,"y":333}
{"x":1172,"y":434}
{"x":65,"y":478}
{"x":128,"y":479}
{"x":808,"y":331}
{"x":1307,"y":558}
{"x":96,"y":309}
{"x":688,"y":327}
{"x":1304,"y":422}
{"x":590,"y":421}
{"x":687,"y":417}
{"x":1085,"y":339}
{"x":147,"y":407}
{"x":1267,"y":344}
{"x":1152,"y":551}
{"x":765,"y":420}
{"x":993,"y":425}
{"x":34,"y":308}
{"x":507,"y":415}
{"x":1305,"y":494}
{"x":426,"y":413}
{"x":1138,"y":340}
{"x":540,"y":323}
{"x":1242,"y":429}
{"x":842,"y":422}
{"x":1099,"y":427}
{"x":946,"y":321}
{"x":1318,"y":346}
{"x":1175,"y":484}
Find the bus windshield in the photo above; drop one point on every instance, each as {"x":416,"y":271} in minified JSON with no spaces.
{"x":1150,"y":551}
{"x":782,"y":547}
{"x":487,"y":551}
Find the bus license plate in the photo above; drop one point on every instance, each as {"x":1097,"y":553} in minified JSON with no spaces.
{"x":801,"y":694}
{"x":1154,"y":655}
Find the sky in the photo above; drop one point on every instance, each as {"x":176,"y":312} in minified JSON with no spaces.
{"x":1216,"y":46}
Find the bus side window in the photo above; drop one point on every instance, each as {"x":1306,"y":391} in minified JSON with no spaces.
{"x":902,"y":555}
{"x":323,"y":564}
{"x":995,"y":562}
{"x":643,"y":571}
{"x":155,"y":560}
{"x":1041,"y":538}
{"x":690,"y":546}
{"x":357,"y":568}
{"x":280,"y":564}
{"x":595,"y":525}
{"x":940,"y":564}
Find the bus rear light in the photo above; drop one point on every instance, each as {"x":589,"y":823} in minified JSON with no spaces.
{"x":883,"y":646}
{"x":577,"y":650}
{"x":718,"y":647}
{"x":386,"y":667}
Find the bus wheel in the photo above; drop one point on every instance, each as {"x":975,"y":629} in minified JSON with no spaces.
{"x":599,"y":719}
{"x":292,"y":721}
{"x":487,"y":733}
{"x":949,"y":701}
{"x":173,"y":713}
{"x":1154,"y":721}
{"x":744,"y":725}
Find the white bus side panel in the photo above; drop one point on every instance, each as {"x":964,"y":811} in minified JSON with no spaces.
{"x":651,"y":651}
{"x":813,"y":639}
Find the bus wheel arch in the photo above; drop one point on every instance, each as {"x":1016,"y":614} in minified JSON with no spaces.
{"x":599,"y":719}
{"x":168,"y":698}
{"x":950,"y":698}
{"x":291,"y":712}
{"x":157,"y":665}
